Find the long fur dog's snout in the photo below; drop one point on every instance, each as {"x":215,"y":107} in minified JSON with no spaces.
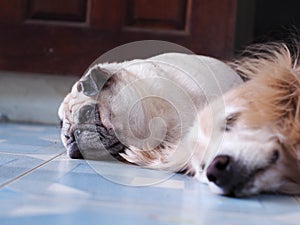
{"x":260,"y":149}
{"x":231,"y":175}
{"x":164,"y":113}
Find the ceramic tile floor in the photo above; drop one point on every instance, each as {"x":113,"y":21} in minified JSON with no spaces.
{"x":39,"y":184}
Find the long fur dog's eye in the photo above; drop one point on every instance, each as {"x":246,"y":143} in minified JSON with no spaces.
{"x":230,"y":121}
{"x":275,"y":156}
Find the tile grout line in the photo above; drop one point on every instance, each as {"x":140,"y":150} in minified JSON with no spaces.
{"x":29,"y":171}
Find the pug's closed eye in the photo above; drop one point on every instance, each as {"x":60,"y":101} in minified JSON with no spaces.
{"x":87,"y":114}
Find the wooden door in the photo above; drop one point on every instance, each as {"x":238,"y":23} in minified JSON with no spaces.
{"x":65,"y":36}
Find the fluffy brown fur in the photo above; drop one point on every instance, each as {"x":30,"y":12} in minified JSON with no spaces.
{"x":274,"y":90}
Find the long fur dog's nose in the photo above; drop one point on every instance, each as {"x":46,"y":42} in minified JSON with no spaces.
{"x":219,"y":171}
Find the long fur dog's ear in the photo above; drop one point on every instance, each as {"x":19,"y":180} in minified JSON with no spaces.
{"x":91,"y":84}
{"x":275,"y":73}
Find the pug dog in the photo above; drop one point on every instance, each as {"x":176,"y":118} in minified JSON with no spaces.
{"x":141,"y":111}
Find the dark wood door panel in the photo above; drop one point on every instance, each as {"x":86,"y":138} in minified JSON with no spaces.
{"x":11,"y":11}
{"x":72,"y":10}
{"x":158,"y":14}
{"x":65,"y":36}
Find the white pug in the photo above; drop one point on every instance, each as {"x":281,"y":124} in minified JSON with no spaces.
{"x":149,"y":103}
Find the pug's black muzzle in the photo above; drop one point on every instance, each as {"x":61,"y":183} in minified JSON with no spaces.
{"x":90,"y":135}
{"x":74,"y":151}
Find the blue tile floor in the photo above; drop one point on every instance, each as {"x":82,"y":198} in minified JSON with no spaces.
{"x":39,"y":184}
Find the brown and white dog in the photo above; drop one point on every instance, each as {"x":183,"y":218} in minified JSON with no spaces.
{"x":192,"y":113}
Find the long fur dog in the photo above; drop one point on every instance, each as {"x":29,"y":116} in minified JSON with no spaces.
{"x":165,"y":113}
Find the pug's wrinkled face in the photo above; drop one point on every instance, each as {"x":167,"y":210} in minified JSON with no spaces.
{"x":85,"y":132}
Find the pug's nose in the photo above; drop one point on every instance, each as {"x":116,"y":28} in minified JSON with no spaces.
{"x":219,"y":170}
{"x":74,"y":151}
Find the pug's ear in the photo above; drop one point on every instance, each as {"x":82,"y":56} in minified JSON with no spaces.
{"x":91,"y":84}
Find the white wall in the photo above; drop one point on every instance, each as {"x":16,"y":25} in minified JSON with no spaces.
{"x":32,"y":98}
